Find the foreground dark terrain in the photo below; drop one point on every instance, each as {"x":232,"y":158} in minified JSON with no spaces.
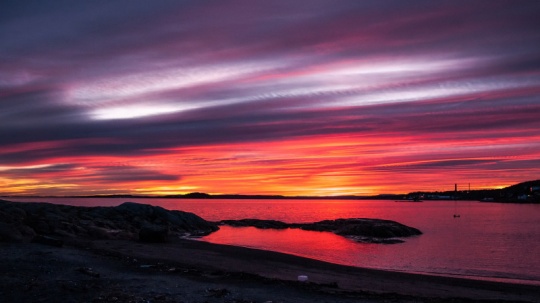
{"x":135,"y":253}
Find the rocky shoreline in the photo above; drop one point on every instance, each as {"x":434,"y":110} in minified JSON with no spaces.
{"x":359,"y":229}
{"x":192,"y":271}
{"x":136,"y":253}
{"x":45,"y":222}
{"x":24,"y":222}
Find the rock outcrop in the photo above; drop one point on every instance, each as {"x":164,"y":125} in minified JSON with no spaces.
{"x":22,"y":222}
{"x":263,"y":224}
{"x":358,"y":229}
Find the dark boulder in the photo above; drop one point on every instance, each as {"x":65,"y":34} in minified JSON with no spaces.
{"x":375,"y":228}
{"x":263,"y":224}
{"x":21,"y":222}
{"x":10,"y":233}
{"x":12,"y":227}
{"x":151,"y":233}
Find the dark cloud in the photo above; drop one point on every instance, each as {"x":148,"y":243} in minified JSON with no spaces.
{"x":243,"y":123}
{"x":36,"y":109}
{"x":466,"y":166}
{"x":56,"y":168}
{"x":121,"y":174}
{"x":445,"y":164}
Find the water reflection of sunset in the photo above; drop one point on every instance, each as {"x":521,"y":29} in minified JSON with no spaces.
{"x":311,"y":244}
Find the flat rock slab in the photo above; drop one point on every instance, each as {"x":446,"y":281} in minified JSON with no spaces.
{"x":358,"y":229}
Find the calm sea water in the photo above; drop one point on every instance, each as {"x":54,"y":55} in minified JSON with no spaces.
{"x":489,"y":241}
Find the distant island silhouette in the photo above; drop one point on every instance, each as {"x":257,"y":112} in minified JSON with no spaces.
{"x":524,"y":192}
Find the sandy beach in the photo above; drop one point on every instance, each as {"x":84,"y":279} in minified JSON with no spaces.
{"x":196,"y":271}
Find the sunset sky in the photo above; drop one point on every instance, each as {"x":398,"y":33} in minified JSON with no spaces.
{"x":303,"y":97}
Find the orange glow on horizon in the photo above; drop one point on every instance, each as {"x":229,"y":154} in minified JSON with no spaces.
{"x":312,"y":166}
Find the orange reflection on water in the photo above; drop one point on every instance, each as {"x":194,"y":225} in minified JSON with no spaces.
{"x":312,"y":244}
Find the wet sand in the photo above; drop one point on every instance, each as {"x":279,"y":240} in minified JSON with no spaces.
{"x":196,"y":271}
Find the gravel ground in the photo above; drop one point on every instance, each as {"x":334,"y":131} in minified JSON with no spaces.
{"x":195,"y":271}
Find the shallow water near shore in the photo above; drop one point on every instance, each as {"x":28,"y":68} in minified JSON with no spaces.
{"x":488,"y":241}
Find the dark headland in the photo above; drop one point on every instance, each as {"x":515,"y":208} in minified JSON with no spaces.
{"x":524,"y":192}
{"x":139,"y":253}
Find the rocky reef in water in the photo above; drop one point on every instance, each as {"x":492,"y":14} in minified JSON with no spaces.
{"x":53,"y":223}
{"x":359,"y":229}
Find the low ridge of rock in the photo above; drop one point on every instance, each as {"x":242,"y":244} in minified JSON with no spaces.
{"x":375,"y":228}
{"x":358,"y":229}
{"x":22,"y":222}
{"x":262,"y":224}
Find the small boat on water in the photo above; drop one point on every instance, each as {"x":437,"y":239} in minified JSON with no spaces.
{"x":456,"y":215}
